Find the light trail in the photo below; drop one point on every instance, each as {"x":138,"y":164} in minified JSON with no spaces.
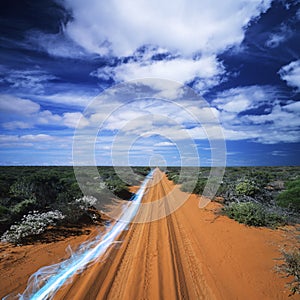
{"x":48,"y":280}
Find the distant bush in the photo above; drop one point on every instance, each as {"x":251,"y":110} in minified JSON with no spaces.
{"x":246,"y":187}
{"x":3,"y":210}
{"x":23,"y":207}
{"x":174,"y":178}
{"x":76,"y":210}
{"x":290,"y":198}
{"x":194,"y":187}
{"x":253,"y":214}
{"x":34,"y":223}
{"x":291,"y":267}
{"x":86,"y":202}
{"x":188,"y":186}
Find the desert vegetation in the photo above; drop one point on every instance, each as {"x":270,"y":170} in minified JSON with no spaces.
{"x":257,"y":196}
{"x":291,"y":268}
{"x":34,"y":198}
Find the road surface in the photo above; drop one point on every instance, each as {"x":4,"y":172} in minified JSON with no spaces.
{"x":190,"y":254}
{"x":156,"y":260}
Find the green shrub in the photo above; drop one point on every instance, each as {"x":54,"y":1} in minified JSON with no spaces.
{"x":3,"y":211}
{"x":291,"y":267}
{"x":194,"y":187}
{"x":174,"y":178}
{"x":188,"y":186}
{"x":293,"y":184}
{"x":23,"y":206}
{"x":248,"y":213}
{"x":290,"y":198}
{"x":246,"y":187}
{"x":253,"y":214}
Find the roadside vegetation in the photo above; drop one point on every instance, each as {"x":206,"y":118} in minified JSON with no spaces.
{"x":254,"y":214}
{"x":32,"y":199}
{"x":257,"y":196}
{"x":291,"y":268}
{"x":36,"y":200}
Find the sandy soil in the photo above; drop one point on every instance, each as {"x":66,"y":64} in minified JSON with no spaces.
{"x":190,"y":254}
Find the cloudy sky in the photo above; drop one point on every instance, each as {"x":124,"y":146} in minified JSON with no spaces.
{"x":241,"y":56}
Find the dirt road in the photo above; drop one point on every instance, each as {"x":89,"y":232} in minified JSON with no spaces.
{"x":190,"y":254}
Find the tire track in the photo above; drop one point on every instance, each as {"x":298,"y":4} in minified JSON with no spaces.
{"x":188,"y":255}
{"x":156,"y":260}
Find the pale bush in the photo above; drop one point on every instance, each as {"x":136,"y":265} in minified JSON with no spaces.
{"x":86,"y":202}
{"x":34,"y":223}
{"x":246,"y":187}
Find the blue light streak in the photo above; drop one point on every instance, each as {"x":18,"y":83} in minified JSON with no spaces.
{"x":53,"y":277}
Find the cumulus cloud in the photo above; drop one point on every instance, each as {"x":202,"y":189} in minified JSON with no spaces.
{"x":207,"y":69}
{"x":38,"y":142}
{"x":250,"y":112}
{"x":15,"y":105}
{"x":293,"y":107}
{"x":253,"y":112}
{"x":279,"y":117}
{"x":122,"y":27}
{"x":72,"y":120}
{"x":18,"y":113}
{"x":179,"y":41}
{"x":291,"y":74}
{"x":240,"y":99}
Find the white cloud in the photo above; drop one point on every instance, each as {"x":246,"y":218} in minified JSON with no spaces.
{"x":23,"y":113}
{"x":16,"y":124}
{"x":187,"y":36}
{"x":206,"y":26}
{"x":180,"y":69}
{"x":293,"y":107}
{"x":275,"y":39}
{"x":78,"y":99}
{"x":251,"y":112}
{"x":271,"y":123}
{"x":72,"y":120}
{"x":278,"y":116}
{"x":279,"y":153}
{"x":281,"y":35}
{"x":37,"y":141}
{"x":47,"y":117}
{"x":291,"y":74}
{"x":55,"y":44}
{"x":164,"y":144}
{"x":207,"y":69}
{"x":36,"y":138}
{"x":14,"y":105}
{"x":32,"y":80}
{"x":239,"y":99}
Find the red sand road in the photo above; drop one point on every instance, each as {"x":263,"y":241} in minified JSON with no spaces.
{"x":190,"y":254}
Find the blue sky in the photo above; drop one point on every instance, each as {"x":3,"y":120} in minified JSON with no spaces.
{"x":241,"y":56}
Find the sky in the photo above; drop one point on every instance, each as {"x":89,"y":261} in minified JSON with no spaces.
{"x":203,"y":82}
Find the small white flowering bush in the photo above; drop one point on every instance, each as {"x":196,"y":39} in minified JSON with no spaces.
{"x":86,"y":201}
{"x":32,"y":224}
